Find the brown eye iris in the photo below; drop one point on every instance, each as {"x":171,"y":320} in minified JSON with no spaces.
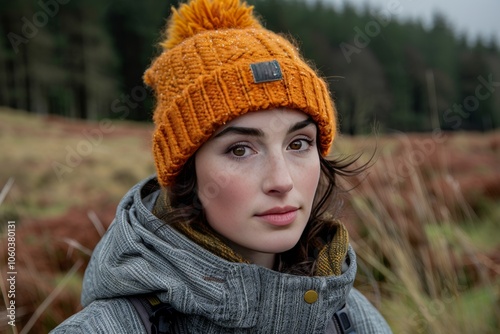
{"x":296,"y":145}
{"x":239,"y":151}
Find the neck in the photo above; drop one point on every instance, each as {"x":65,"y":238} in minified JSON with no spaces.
{"x":266,"y":260}
{"x":263,"y":260}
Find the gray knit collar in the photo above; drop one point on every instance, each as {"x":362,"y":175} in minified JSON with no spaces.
{"x":140,"y":254}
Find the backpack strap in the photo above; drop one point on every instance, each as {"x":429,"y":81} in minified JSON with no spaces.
{"x":342,"y":321}
{"x":157,"y":317}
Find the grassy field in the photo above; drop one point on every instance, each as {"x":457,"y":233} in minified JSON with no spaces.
{"x":424,"y":219}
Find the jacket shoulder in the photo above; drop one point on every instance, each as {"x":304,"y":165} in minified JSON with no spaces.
{"x":366,"y":318}
{"x":116,"y":315}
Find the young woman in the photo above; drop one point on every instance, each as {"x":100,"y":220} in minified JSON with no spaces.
{"x":236,"y":233}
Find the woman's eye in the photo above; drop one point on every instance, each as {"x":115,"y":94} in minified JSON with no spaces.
{"x":299,"y":145}
{"x":239,"y":151}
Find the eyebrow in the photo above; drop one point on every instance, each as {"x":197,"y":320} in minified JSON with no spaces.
{"x":258,"y":132}
{"x":241,"y":130}
{"x":300,"y":125}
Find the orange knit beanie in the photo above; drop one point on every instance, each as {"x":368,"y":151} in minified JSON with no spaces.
{"x":218,"y":63}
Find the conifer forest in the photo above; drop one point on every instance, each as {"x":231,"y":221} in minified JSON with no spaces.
{"x":85,"y":59}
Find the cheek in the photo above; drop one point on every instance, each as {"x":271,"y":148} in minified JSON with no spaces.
{"x":307,"y":177}
{"x":223,"y":194}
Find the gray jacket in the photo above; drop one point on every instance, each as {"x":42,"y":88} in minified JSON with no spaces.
{"x":140,"y":254}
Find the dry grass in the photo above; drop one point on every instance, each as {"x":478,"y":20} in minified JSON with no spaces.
{"x":53,"y":211}
{"x":413,"y":224}
{"x":424,"y":221}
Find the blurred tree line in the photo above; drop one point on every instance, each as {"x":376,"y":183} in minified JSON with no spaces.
{"x":85,"y":59}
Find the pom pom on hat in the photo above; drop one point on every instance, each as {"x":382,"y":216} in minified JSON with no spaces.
{"x":203,"y":15}
{"x":218,"y":63}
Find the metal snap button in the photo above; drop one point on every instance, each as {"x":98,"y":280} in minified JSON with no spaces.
{"x":310,"y":296}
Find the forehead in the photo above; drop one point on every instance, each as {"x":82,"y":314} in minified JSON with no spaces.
{"x":274,"y":120}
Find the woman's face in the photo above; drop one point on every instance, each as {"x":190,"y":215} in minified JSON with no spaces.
{"x":257,"y":177}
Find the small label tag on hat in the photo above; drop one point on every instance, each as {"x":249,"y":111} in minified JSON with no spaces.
{"x":266,"y":71}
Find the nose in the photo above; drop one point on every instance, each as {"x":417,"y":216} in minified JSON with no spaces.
{"x":277,"y":178}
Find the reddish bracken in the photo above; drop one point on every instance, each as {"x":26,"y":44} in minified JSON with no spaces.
{"x":47,"y":250}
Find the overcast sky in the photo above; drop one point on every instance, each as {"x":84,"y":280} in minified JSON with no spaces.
{"x":474,"y":17}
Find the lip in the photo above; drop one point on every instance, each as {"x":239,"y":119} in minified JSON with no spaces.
{"x":279,"y":216}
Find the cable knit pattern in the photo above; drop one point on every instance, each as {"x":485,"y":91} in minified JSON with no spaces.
{"x":203,"y":80}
